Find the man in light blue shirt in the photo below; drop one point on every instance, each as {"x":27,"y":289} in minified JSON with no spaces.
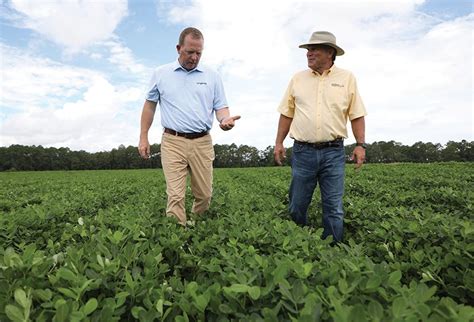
{"x":189,"y":95}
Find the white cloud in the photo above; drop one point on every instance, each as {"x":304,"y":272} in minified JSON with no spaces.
{"x":98,"y":121}
{"x":28,"y":80}
{"x":74,"y":24}
{"x":59,"y":105}
{"x":123,"y":57}
{"x":412,"y":68}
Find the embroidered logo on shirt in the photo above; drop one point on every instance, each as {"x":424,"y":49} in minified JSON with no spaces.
{"x":336,"y":85}
{"x":201,"y":83}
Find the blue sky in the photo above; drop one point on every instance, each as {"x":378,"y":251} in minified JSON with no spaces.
{"x":73,"y":73}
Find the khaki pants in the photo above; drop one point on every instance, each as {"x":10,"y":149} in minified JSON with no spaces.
{"x":180,"y":156}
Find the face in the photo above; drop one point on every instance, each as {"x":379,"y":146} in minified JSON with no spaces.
{"x":190,"y":52}
{"x":319,"y":57}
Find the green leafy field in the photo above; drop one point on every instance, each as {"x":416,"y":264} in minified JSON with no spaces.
{"x":96,"y":246}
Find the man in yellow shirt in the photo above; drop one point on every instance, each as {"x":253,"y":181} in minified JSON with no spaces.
{"x":314,"y":110}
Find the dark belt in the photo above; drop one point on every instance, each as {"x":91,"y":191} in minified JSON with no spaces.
{"x":337,"y":143}
{"x":190,"y":136}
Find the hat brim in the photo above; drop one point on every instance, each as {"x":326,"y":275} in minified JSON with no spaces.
{"x":339,"y":50}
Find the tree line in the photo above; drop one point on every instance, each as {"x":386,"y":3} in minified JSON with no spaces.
{"x":37,"y":158}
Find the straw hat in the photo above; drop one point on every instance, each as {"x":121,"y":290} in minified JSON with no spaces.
{"x":323,"y":38}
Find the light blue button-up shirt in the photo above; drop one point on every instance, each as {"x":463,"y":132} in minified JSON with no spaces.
{"x":187,"y":99}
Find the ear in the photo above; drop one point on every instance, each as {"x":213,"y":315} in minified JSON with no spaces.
{"x":178,"y":47}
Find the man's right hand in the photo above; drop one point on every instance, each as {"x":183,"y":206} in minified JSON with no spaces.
{"x":279,"y":153}
{"x":144,"y":148}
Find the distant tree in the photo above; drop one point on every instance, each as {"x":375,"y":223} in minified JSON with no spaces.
{"x":31,"y":158}
{"x":266,"y":157}
{"x":424,"y":152}
{"x":458,"y":151}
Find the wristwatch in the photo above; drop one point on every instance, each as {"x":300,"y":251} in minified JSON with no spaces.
{"x":362,"y":145}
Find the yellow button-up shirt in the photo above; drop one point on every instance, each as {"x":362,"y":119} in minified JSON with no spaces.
{"x":321,"y":104}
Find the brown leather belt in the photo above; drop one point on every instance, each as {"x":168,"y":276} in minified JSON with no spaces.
{"x":321,"y":145}
{"x":190,"y":136}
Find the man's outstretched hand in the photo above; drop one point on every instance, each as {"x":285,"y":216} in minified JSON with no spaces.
{"x":229,"y":122}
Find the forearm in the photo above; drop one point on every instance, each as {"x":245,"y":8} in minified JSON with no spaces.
{"x":148,"y":114}
{"x":283,"y":128}
{"x":358,"y":129}
{"x":222,"y":114}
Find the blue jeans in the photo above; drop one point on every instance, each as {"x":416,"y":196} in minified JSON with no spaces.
{"x":310,"y":166}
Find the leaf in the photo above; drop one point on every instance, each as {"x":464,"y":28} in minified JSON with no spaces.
{"x":224,"y":308}
{"x":20,"y":298}
{"x":298,"y":291}
{"x":90,"y":306}
{"x":118,"y":235}
{"x":280,"y":272}
{"x":238,"y":288}
{"x":66,"y":274}
{"x":423,"y":293}
{"x":68,"y":292}
{"x":373,"y":282}
{"x":398,"y":307}
{"x":85,"y":285}
{"x":129,"y":280}
{"x":312,"y":308}
{"x":303,"y":270}
{"x":182,"y":318}
{"x":341,"y":312}
{"x":307,"y":269}
{"x":121,"y":297}
{"x":254,"y":292}
{"x":269,"y":314}
{"x":100,"y":261}
{"x":76,"y":316}
{"x":159,"y":306}
{"x":14,"y":313}
{"x":286,"y":292}
{"x":191,"y":288}
{"x":201,"y":302}
{"x":43,"y":295}
{"x":394,"y":277}
{"x":424,"y":310}
{"x":342,"y":283}
{"x":62,"y":313}
{"x":375,"y":310}
{"x":136,"y":310}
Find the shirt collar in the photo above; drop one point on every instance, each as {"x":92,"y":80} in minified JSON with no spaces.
{"x":177,"y":66}
{"x":326,"y":72}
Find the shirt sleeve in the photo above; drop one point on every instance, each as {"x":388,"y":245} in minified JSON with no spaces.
{"x":152,"y":93}
{"x":356,"y":106}
{"x":220,"y":100}
{"x":287,"y":104}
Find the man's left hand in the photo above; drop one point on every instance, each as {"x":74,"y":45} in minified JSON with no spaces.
{"x":228,"y":122}
{"x":358,"y":155}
